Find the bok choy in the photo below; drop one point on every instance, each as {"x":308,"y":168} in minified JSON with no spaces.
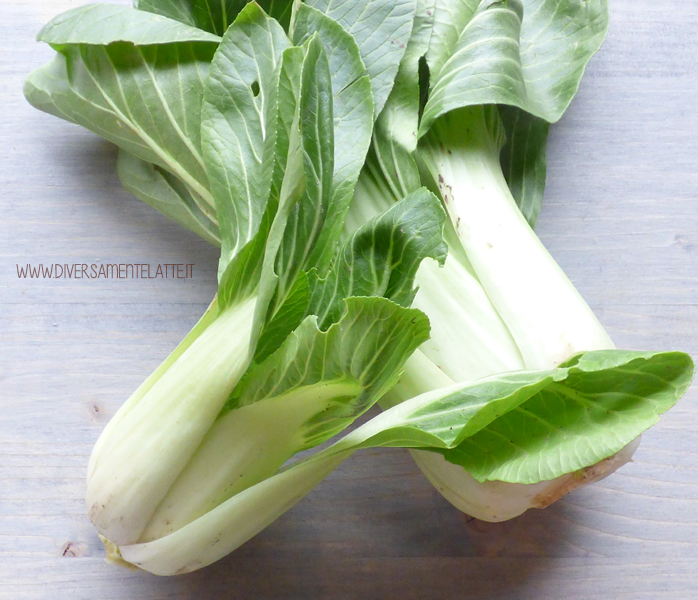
{"x":274,"y":130}
{"x":477,"y":87}
{"x":303,"y":336}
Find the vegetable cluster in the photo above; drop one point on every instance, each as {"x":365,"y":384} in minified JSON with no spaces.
{"x":339,"y":153}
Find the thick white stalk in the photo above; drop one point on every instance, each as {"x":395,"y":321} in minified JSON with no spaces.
{"x":245,"y":446}
{"x":229,"y":525}
{"x":537,"y":321}
{"x":106,"y":439}
{"x":545,"y":314}
{"x":468,"y":339}
{"x":491,"y":501}
{"x":496,"y":501}
{"x":547,"y":317}
{"x":157,"y":437}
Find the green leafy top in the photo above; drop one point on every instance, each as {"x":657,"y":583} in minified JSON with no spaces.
{"x":103,"y":24}
{"x":381,"y":257}
{"x":291,"y":186}
{"x":353,"y":363}
{"x":381,"y":30}
{"x":145,"y":99}
{"x":532,"y":426}
{"x":238,"y":125}
{"x":531,"y":55}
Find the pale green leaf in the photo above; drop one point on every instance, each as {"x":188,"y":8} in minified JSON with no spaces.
{"x":145,"y":99}
{"x":531,"y":54}
{"x":381,"y":30}
{"x":239,"y":123}
{"x":357,"y":359}
{"x":390,"y":169}
{"x":107,"y":23}
{"x":167,"y":194}
{"x":523,"y":159}
{"x":606,"y":399}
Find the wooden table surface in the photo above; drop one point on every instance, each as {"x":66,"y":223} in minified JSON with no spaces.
{"x":621,"y":217}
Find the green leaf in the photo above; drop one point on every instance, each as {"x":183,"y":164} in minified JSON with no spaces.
{"x":390,"y":169}
{"x":399,"y":120}
{"x":353,"y":118}
{"x":529,"y":55}
{"x":382,"y":257}
{"x":107,"y":23}
{"x":166,"y":194}
{"x":381,"y":30}
{"x":241,"y":277}
{"x":213,"y":15}
{"x":443,"y":419}
{"x":286,"y":318}
{"x":523,"y":159}
{"x":531,"y":426}
{"x":238,"y":125}
{"x":145,"y":99}
{"x":390,"y":166}
{"x":305,"y":190}
{"x":603,"y":402}
{"x":307,"y":217}
{"x":450,"y":19}
{"x":356,"y":360}
{"x":288,"y":100}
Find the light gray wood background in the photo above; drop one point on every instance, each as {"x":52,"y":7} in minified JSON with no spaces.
{"x":621,"y":217}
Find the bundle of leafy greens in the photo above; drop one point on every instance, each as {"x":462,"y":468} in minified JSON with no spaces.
{"x":473,"y":99}
{"x":303,"y":336}
{"x":252,"y":129}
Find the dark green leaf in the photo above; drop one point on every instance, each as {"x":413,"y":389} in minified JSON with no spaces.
{"x":213,"y":15}
{"x":523,"y":159}
{"x":382,"y":257}
{"x":353,"y":119}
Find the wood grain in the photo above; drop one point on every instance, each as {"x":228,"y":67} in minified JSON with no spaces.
{"x":621,"y":217}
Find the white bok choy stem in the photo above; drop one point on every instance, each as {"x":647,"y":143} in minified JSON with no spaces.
{"x":521,"y":305}
{"x":244,"y":446}
{"x":104,"y":440}
{"x":545,"y":314}
{"x":492,"y":309}
{"x":140,"y":457}
{"x":469,"y":340}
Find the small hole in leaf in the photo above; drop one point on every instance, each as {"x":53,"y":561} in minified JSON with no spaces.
{"x":255,"y":88}
{"x":423,"y":73}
